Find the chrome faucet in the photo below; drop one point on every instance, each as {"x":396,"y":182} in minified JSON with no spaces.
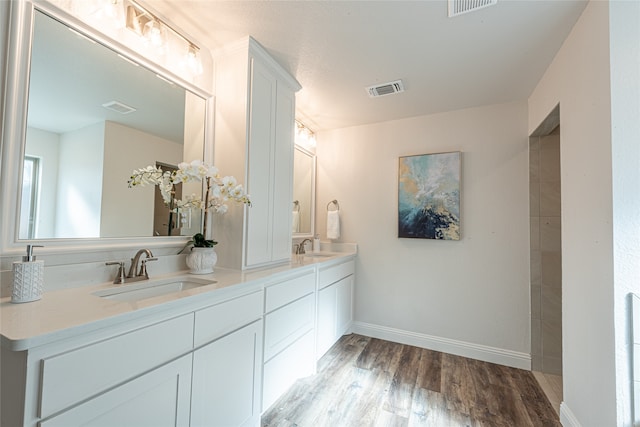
{"x":300,"y":247}
{"x":132,"y":276}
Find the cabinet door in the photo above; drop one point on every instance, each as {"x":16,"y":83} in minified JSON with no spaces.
{"x":326,"y":326}
{"x":260,"y":165}
{"x":335,"y":313}
{"x":344,"y":306}
{"x":283,"y":173}
{"x":296,"y":361}
{"x":226,"y":380}
{"x":157,"y":399}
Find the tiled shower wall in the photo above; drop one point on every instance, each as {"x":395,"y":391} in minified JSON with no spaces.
{"x":546,"y":257}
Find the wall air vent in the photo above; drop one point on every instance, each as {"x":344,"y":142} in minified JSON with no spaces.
{"x":385,"y":89}
{"x":459,"y":7}
{"x":118,"y":107}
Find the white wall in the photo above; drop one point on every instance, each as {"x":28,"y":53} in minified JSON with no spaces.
{"x":80,"y":182}
{"x":129,"y":211}
{"x":624,"y":24}
{"x":468,"y":297}
{"x":600,"y":233}
{"x":4,"y":22}
{"x":45,"y":145}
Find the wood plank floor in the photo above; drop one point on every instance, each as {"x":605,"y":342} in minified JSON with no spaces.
{"x":365,"y":382}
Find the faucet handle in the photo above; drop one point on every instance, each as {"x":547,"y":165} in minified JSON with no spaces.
{"x":143,"y":266}
{"x":120,"y":276}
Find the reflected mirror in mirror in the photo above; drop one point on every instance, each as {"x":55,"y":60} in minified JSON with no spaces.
{"x":93,"y":117}
{"x":304,"y":172}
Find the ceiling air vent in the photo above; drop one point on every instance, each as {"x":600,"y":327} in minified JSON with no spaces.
{"x":385,"y":89}
{"x":118,"y":107}
{"x":458,"y":7}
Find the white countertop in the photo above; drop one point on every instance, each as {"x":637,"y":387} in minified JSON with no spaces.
{"x":67,"y":312}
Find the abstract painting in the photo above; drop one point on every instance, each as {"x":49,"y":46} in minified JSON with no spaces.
{"x":429,"y":196}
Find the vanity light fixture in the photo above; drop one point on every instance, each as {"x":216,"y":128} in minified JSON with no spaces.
{"x":304,"y":136}
{"x":109,"y":12}
{"x":158,"y":33}
{"x":193,"y":61}
{"x":153,"y":33}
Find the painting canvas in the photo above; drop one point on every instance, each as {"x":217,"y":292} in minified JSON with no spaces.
{"x":429,"y":196}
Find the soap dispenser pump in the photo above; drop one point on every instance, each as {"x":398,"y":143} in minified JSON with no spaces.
{"x":28,"y":277}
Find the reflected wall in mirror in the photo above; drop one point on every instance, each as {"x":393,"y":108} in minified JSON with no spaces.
{"x":304,"y":176}
{"x":93,"y":117}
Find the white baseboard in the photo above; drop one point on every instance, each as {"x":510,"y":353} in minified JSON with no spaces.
{"x":461,"y":348}
{"x":567,"y":419}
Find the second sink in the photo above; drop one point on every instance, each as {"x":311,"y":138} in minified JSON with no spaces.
{"x":317,"y":255}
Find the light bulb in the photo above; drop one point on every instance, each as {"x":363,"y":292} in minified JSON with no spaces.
{"x":153,"y":33}
{"x":193,"y":61}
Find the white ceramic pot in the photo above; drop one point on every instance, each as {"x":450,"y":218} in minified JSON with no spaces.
{"x":202,"y":260}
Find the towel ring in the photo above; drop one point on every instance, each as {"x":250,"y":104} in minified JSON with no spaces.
{"x":334,"y":202}
{"x":296,"y":206}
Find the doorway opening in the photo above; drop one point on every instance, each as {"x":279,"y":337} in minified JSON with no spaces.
{"x":546,"y":256}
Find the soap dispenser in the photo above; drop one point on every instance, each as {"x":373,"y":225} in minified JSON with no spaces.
{"x":28,"y":276}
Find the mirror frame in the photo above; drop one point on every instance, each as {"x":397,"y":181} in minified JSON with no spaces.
{"x":311,"y":154}
{"x":14,"y":120}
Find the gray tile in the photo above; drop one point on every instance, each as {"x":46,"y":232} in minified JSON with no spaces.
{"x":535,"y":268}
{"x":534,"y":166}
{"x":550,"y":234}
{"x":550,"y":158}
{"x":550,"y":198}
{"x":534,"y":199}
{"x":534,"y":143}
{"x":536,"y":338}
{"x":536,"y":363}
{"x":536,"y":302}
{"x":551,"y":268}
{"x":534,"y":233}
{"x":551,"y":340}
{"x":552,"y":365}
{"x":551,"y":306}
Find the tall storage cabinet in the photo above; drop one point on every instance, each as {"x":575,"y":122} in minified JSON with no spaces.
{"x":254,"y":130}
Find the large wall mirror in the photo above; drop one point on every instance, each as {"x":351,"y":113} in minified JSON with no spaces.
{"x":304,"y":193}
{"x":93,"y":115}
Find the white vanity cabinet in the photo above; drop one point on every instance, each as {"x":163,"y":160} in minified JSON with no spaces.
{"x":335,"y":304}
{"x":227,"y":364}
{"x":159,"y":398}
{"x":255,"y":111}
{"x":219,"y":358}
{"x":85,"y":380}
{"x":288,"y":333}
{"x":199,"y":368}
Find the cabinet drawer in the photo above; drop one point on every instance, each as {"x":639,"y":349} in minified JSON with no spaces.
{"x":220,"y":319}
{"x":290,"y":290}
{"x":70,"y":377}
{"x":333,"y":274}
{"x":296,"y":361}
{"x":287,"y":324}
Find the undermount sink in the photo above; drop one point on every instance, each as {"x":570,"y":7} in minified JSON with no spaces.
{"x":150,"y":289}
{"x":317,"y":255}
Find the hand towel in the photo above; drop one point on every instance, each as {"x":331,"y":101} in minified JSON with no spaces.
{"x":333,"y":224}
{"x":295,"y":221}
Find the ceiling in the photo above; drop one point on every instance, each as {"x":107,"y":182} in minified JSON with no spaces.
{"x":336,"y":49}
